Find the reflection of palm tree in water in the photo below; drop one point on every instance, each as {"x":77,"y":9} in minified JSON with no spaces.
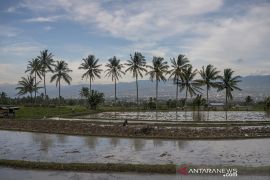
{"x":181,"y":144}
{"x":138,"y":144}
{"x":198,"y":116}
{"x":114,"y":141}
{"x":91,"y":142}
{"x":157,"y":142}
{"x":61,"y":138}
{"x":45,"y":141}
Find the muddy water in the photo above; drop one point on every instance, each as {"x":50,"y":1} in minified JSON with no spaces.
{"x":183,"y":116}
{"x":64,"y":148}
{"x":22,"y":174}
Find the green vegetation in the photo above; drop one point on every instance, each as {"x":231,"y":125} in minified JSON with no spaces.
{"x":136,"y":65}
{"x":61,"y":72}
{"x":229,"y":84}
{"x":114,"y":70}
{"x":27,"y":85}
{"x":113,"y":167}
{"x":209,"y":77}
{"x":94,"y":99}
{"x":46,"y":65}
{"x":92,"y":68}
{"x":177,"y":72}
{"x":157,"y":72}
{"x":50,"y":111}
{"x":34,"y":67}
{"x":188,"y":83}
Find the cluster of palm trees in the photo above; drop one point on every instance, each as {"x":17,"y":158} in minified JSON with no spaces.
{"x":38,"y":68}
{"x":181,"y":72}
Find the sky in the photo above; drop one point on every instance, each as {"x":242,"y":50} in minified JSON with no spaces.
{"x":225,"y":33}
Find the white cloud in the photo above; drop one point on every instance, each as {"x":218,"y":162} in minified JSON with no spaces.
{"x":20,"y":48}
{"x":43,"y":19}
{"x":245,"y":37}
{"x":8,"y":31}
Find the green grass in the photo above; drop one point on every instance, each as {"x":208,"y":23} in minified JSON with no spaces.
{"x":114,"y":167}
{"x":41,"y":112}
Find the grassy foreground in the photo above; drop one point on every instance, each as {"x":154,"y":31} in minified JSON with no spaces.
{"x":113,"y":167}
{"x":41,"y":112}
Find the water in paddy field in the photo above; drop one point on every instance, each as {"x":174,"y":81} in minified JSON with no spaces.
{"x":23,"y":174}
{"x":89,"y":149}
{"x":184,"y":116}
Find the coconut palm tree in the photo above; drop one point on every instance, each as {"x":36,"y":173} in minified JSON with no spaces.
{"x":90,"y":64}
{"x":27,"y":85}
{"x":229,"y":84}
{"x":177,"y":71}
{"x":34,"y":67}
{"x":114,"y":70}
{"x":47,"y":63}
{"x":61,"y":72}
{"x":209,"y":77}
{"x":157,"y":71}
{"x":187,"y":82}
{"x":136,"y":65}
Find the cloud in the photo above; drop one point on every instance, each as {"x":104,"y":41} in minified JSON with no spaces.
{"x":20,"y":48}
{"x":10,"y":73}
{"x":245,"y":37}
{"x":8,"y":31}
{"x":42,"y":19}
{"x":47,"y":28}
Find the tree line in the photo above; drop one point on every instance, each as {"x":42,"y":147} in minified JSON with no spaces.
{"x":180,"y":71}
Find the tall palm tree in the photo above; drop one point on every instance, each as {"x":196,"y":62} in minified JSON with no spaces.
{"x":136,"y":65}
{"x":34,"y":67}
{"x":157,"y":71}
{"x":188,"y":82}
{"x":209,"y":77}
{"x":229,"y":84}
{"x":90,"y":64}
{"x":177,"y":71}
{"x":61,"y":72}
{"x":47,"y":63}
{"x":27,"y":85}
{"x":114,"y":70}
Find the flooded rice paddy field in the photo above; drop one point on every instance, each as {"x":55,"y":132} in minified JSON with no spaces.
{"x":183,"y":116}
{"x":90,"y":149}
{"x":22,"y":174}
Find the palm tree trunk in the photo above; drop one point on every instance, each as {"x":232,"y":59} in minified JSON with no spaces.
{"x":31,"y":98}
{"x":185,"y":99}
{"x":156,"y":94}
{"x":90,"y":84}
{"x":137,"y":90}
{"x":59,"y":93}
{"x":226,"y":102}
{"x":114,"y":91}
{"x":207,"y":89}
{"x":44,"y":77}
{"x":35,"y":87}
{"x":176,"y":93}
